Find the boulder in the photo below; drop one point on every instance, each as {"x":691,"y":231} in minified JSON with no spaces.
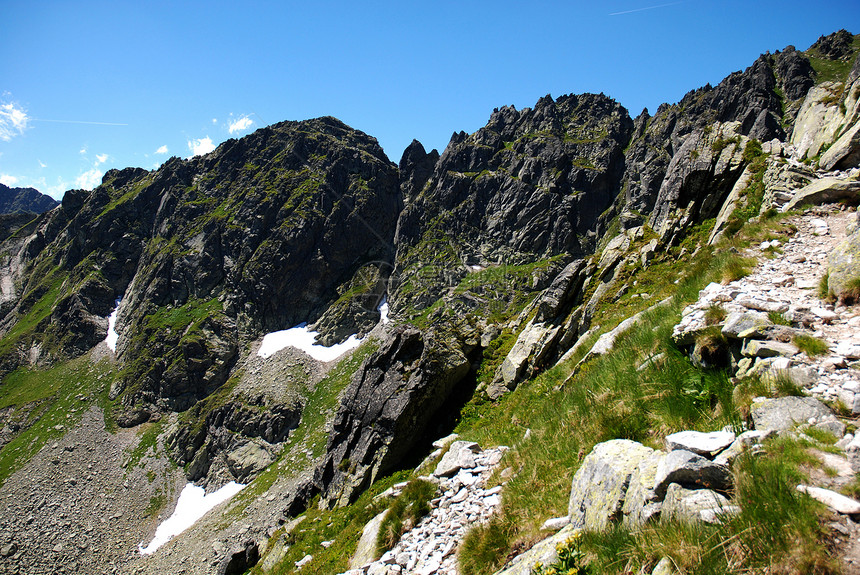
{"x":365,"y":552}
{"x":600,"y":485}
{"x":767,"y":348}
{"x":706,"y":444}
{"x":641,"y":503}
{"x":824,"y":191}
{"x":688,"y":469}
{"x":248,"y":459}
{"x":739,"y":322}
{"x":606,"y":342}
{"x":240,"y":560}
{"x":731,"y":202}
{"x":843,"y":267}
{"x":664,"y":567}
{"x":783,"y":413}
{"x":819,"y":121}
{"x":688,"y":504}
{"x":527,"y":349}
{"x":459,"y":456}
{"x":543,"y":552}
{"x":555,"y":523}
{"x":387,"y":408}
{"x":852,"y":451}
{"x":844,"y":153}
{"x":747,"y":440}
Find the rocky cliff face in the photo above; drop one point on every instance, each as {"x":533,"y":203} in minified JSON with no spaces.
{"x":529,"y":185}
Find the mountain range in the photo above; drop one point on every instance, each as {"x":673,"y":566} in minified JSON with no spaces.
{"x":465,"y":275}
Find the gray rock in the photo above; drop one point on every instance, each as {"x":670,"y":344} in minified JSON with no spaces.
{"x":365,"y":552}
{"x":831,"y":425}
{"x":843,"y":266}
{"x":688,"y":469}
{"x":824,"y":191}
{"x":767,"y":348}
{"x":738,"y":322}
{"x":459,"y":456}
{"x":706,"y":444}
{"x":532,"y":341}
{"x":606,"y":342}
{"x":392,"y":398}
{"x":844,"y":153}
{"x":555,"y":524}
{"x":599,"y":486}
{"x":783,"y":413}
{"x":687,"y":504}
{"x":746,"y":440}
{"x":240,"y":559}
{"x":664,"y":567}
{"x":445,"y":441}
{"x":852,"y":451}
{"x":641,"y":502}
{"x":248,"y":459}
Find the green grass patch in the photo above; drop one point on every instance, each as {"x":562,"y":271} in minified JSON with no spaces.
{"x":147,"y":441}
{"x":479,"y":552}
{"x":715,"y":314}
{"x":832,"y":70}
{"x":811,"y":346}
{"x":404,"y":513}
{"x":777,"y":318}
{"x":737,"y":267}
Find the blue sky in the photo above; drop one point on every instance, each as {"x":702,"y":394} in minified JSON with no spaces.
{"x":160,"y":79}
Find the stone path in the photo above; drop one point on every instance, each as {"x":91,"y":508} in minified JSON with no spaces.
{"x":431,"y":546}
{"x":788,"y":284}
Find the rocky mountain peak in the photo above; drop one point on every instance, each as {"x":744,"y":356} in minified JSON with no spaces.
{"x":24,"y":200}
{"x":835,"y":46}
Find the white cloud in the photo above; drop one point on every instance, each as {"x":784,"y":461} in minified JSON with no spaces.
{"x":13,"y":121}
{"x":161,"y":150}
{"x":101,"y":158}
{"x":8,"y":180}
{"x":214,"y":120}
{"x":241,"y":124}
{"x":89,"y":179}
{"x":201,"y":146}
{"x":83,"y":150}
{"x":42,"y":164}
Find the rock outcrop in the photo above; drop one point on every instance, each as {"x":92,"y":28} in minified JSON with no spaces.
{"x":388,"y":409}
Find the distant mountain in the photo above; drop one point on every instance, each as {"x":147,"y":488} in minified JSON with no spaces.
{"x":14,"y":200}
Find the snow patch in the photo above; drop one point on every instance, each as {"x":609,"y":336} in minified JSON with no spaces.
{"x":303,"y":338}
{"x":112,"y":335}
{"x":383,"y":310}
{"x":193,"y":504}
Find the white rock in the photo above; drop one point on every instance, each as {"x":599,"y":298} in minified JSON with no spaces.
{"x":835,"y":501}
{"x":702,"y":443}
